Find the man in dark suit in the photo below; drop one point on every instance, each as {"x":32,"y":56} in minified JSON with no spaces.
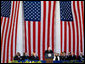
{"x":25,"y":56}
{"x":74,"y":56}
{"x":69,"y":56}
{"x":62,"y":56}
{"x":80,"y":57}
{"x":34,"y":57}
{"x":49,"y":50}
{"x":17,"y":56}
{"x":57,"y":57}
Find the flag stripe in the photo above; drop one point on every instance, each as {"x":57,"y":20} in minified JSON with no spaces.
{"x":54,"y":6}
{"x":69,"y":36}
{"x":25,"y":39}
{"x":39,"y":32}
{"x":44,"y":20}
{"x":49,"y":15}
{"x":1,"y":20}
{"x":34,"y":32}
{"x":29,"y":38}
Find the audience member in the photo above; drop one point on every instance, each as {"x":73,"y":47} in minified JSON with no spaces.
{"x":17,"y":56}
{"x":34,"y":57}
{"x":25,"y":56}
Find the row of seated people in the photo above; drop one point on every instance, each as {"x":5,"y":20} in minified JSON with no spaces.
{"x":70,"y":56}
{"x":64,"y":56}
{"x":25,"y":56}
{"x":57,"y":57}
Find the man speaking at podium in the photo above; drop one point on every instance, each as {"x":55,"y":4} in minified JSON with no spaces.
{"x":49,"y":55}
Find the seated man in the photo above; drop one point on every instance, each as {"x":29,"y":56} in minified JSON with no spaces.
{"x":17,"y":56}
{"x":34,"y":57}
{"x":25,"y":56}
{"x":80,"y":57}
{"x":57,"y":57}
{"x":62,"y":56}
{"x":73,"y":56}
{"x":69,"y":56}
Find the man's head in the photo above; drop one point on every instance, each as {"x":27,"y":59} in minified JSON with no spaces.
{"x":34,"y":54}
{"x":81,"y":53}
{"x":18,"y":54}
{"x":49,"y":48}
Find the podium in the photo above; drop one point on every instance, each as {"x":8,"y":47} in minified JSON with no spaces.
{"x":49,"y":57}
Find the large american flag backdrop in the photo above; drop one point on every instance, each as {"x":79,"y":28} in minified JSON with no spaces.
{"x":72,"y":26}
{"x":39,"y":18}
{"x":9,"y":23}
{"x":39,"y":26}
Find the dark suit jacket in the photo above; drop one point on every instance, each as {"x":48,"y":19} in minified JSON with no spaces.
{"x":74,"y":57}
{"x":25,"y":57}
{"x":62,"y":58}
{"x":48,"y":51}
{"x":34,"y":58}
{"x":17,"y":58}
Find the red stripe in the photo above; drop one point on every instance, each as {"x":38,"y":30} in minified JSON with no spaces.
{"x":69,"y":36}
{"x":73,"y":28}
{"x":1,"y":20}
{"x":29,"y":38}
{"x":61,"y":36}
{"x":76,"y":20}
{"x":3,"y":33}
{"x":5,"y":39}
{"x":16,"y":26}
{"x":49,"y":16}
{"x":10,"y":32}
{"x":39,"y":32}
{"x":65,"y":36}
{"x":53,"y":25}
{"x":13,"y":32}
{"x":34,"y":34}
{"x":44,"y":20}
{"x":25,"y":38}
{"x":82,"y":7}
{"x":80,"y":27}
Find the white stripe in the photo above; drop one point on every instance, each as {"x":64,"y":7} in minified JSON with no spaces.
{"x":46,"y":26}
{"x":78,"y":25}
{"x":71,"y":37}
{"x":31,"y":36}
{"x":27,"y":37}
{"x":75,"y":29}
{"x":62,"y":36}
{"x":36,"y":37}
{"x":2,"y":25}
{"x":51,"y":24}
{"x":67,"y":38}
{"x":3,"y":38}
{"x":41,"y":45}
{"x":82,"y":28}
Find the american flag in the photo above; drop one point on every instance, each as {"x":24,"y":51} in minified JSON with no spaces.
{"x":39,"y":26}
{"x":9,"y":22}
{"x":72,"y":26}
